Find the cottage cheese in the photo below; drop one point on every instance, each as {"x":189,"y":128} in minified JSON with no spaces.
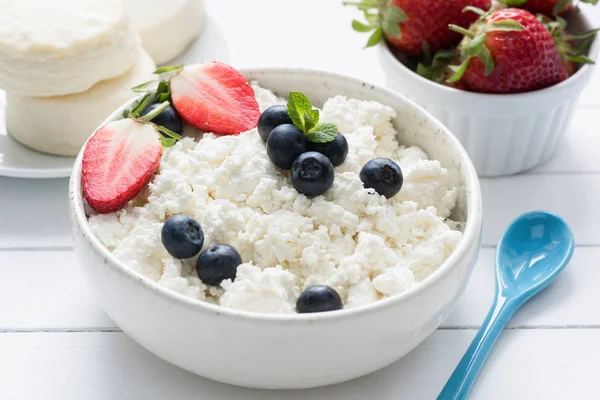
{"x":363,"y":245}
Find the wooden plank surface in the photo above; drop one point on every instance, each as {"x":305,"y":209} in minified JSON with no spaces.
{"x":527,"y":364}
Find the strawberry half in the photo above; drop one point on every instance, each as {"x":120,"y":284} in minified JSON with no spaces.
{"x":214,"y":97}
{"x":118,"y":162}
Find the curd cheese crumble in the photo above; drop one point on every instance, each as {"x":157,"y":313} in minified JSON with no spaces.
{"x":361,"y":244}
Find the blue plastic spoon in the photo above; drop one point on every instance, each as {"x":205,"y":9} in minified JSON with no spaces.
{"x":531,"y":253}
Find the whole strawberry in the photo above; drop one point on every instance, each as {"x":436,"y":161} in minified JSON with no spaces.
{"x":409,"y":24}
{"x":573,"y":48}
{"x":546,"y":7}
{"x":509,"y":51}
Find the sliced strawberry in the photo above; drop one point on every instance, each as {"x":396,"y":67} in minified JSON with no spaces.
{"x":118,"y":161}
{"x":214,"y":97}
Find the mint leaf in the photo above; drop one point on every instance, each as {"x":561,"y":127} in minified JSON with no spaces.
{"x":301,"y":111}
{"x":311,"y":119}
{"x":169,"y":68}
{"x":322,"y":133}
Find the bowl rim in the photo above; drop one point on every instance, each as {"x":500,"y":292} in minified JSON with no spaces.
{"x":471,"y":233}
{"x":582,"y":73}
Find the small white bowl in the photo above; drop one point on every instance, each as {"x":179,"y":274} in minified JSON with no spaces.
{"x":503,"y":134}
{"x":299,"y":350}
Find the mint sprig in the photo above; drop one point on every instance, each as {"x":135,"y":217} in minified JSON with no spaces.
{"x":306,"y":118}
{"x":323,"y":133}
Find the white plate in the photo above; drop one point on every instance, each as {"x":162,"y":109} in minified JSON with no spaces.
{"x":19,"y":161}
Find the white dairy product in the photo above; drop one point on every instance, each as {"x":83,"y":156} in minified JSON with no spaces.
{"x":167,"y":28}
{"x":60,"y":125}
{"x":58,"y":47}
{"x":361,"y":244}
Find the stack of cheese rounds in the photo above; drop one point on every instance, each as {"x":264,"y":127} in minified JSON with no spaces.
{"x":67,"y":64}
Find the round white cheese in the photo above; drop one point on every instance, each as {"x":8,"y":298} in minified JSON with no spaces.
{"x":167,"y":29}
{"x":60,"y":125}
{"x":58,"y":47}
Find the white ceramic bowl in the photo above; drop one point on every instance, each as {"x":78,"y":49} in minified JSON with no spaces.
{"x":503,"y":134}
{"x":300,"y":350}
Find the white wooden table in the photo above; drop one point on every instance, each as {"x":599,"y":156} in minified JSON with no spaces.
{"x":57,"y":343}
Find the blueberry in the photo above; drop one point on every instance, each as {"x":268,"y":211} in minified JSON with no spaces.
{"x":383,"y":175}
{"x":318,"y":299}
{"x":285,"y":143}
{"x":336,"y":151}
{"x":169,"y":118}
{"x":312,"y":174}
{"x":216,"y":263}
{"x":182,"y":236}
{"x":271,"y":118}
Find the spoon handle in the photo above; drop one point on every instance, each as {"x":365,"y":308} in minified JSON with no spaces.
{"x":462,"y":379}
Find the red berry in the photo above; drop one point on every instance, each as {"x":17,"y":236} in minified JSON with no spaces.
{"x":118,"y":162}
{"x":523,"y":60}
{"x":428,"y":21}
{"x":214,"y":97}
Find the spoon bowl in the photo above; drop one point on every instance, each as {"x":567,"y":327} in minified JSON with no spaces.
{"x":532,"y":251}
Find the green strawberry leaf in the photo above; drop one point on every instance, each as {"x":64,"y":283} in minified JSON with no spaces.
{"x":581,"y":36}
{"x":506,"y":25}
{"x":167,"y":132}
{"x":514,"y":3}
{"x":152,"y":114}
{"x":362,"y":5}
{"x":487,"y":59}
{"x":169,"y":68}
{"x":372,"y":18}
{"x":433,"y":68}
{"x":391,"y":28}
{"x":381,"y":16}
{"x":139,"y":106}
{"x":592,"y":2}
{"x":476,"y":46}
{"x":375,"y":37}
{"x":360,"y":27}
{"x":581,"y":60}
{"x":394,"y":14}
{"x":560,"y":6}
{"x":322,"y":133}
{"x":143,"y":87}
{"x":163,"y":92}
{"x":477,"y":10}
{"x":299,"y":107}
{"x":167,"y":141}
{"x":459,"y":71}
